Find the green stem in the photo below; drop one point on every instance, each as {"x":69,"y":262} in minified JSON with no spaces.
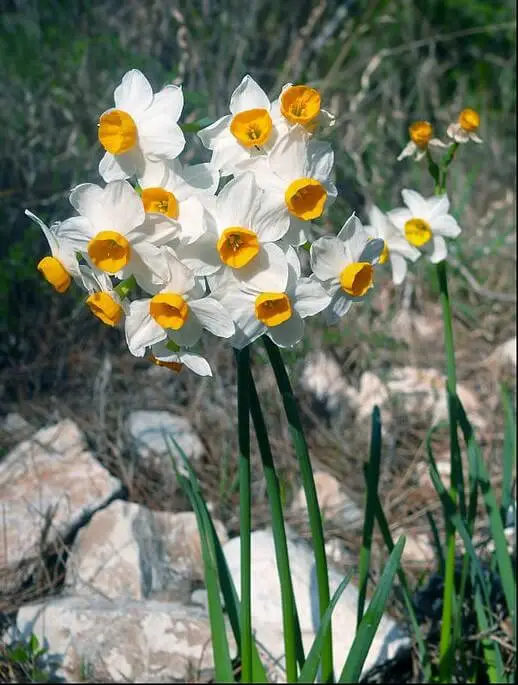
{"x":124,"y":288}
{"x":292,"y":636}
{"x":308,"y":483}
{"x":245,"y":516}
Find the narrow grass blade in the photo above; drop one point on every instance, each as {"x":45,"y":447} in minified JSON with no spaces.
{"x":315,"y":519}
{"x":409,"y":604}
{"x":503,"y":557}
{"x":310,"y":668}
{"x":373,"y":473}
{"x":367,"y":630}
{"x":492,"y":655}
{"x":245,"y":513}
{"x":294,"y":650}
{"x":436,"y":543}
{"x":509,"y":451}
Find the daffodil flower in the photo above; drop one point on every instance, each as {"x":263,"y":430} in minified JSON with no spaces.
{"x":180,"y":310}
{"x":172,"y":196}
{"x":420,"y":139}
{"x":397,"y":248}
{"x":426,"y":222}
{"x":300,"y":105}
{"x":245,"y":225}
{"x":109,"y":230}
{"x":59,"y":268}
{"x":244,"y":133}
{"x":142,"y":125}
{"x":278,"y":308}
{"x":169,"y":355}
{"x":344,"y":265}
{"x":103,"y":300}
{"x":463,"y":130}
{"x":297,"y":176}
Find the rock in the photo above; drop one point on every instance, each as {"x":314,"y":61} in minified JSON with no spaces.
{"x":339,"y":555}
{"x":128,"y":551}
{"x":418,"y":550}
{"x":504,"y":354}
{"x":127,"y":641}
{"x":412,"y":327}
{"x":334,"y":502}
{"x":16,"y":427}
{"x":322,"y":377}
{"x":49,"y":485}
{"x":267,"y":608}
{"x":372,"y":392}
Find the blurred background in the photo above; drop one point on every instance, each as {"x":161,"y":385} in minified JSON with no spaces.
{"x":379,"y":64}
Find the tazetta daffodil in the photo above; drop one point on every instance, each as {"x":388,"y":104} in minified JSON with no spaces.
{"x":300,"y":104}
{"x":103,"y":300}
{"x":344,"y":265}
{"x":420,"y":139}
{"x":141,"y":125}
{"x":62,"y":265}
{"x":397,"y":248}
{"x":109,"y":231}
{"x":426,"y":222}
{"x":463,"y":130}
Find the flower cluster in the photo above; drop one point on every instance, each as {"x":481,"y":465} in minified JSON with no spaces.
{"x":167,"y":251}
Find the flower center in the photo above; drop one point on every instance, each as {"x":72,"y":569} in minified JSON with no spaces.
{"x":55,"y":273}
{"x":160,"y":201}
{"x":109,"y":251}
{"x":300,"y":104}
{"x":174,"y":366}
{"x":272,"y":309}
{"x":117,"y":132}
{"x":104,"y":307}
{"x":252,"y":127}
{"x":357,"y":278}
{"x":306,"y":198}
{"x":169,"y":310}
{"x":237,"y":246}
{"x":469,"y":120}
{"x":420,"y":133}
{"x":385,"y":254}
{"x":417,"y":232}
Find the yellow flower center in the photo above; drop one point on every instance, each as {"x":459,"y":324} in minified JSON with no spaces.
{"x":385,"y":254}
{"x":55,"y":273}
{"x":300,"y":104}
{"x":117,"y":132}
{"x":169,"y":310}
{"x":252,"y":127}
{"x":174,"y":366}
{"x":104,"y":307}
{"x":160,"y":201}
{"x":420,"y":133}
{"x":306,"y":198}
{"x":237,"y":246}
{"x":418,"y":232}
{"x":109,"y":251}
{"x":357,"y":278}
{"x":273,"y":309}
{"x":469,"y":120}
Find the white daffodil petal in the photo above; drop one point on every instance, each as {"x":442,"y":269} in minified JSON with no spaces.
{"x":399,"y":268}
{"x":77,"y":231}
{"x":378,"y":223}
{"x":437,"y":205}
{"x":148,"y":265}
{"x":328,"y":257}
{"x":399,"y":245}
{"x":414,"y":201}
{"x":270,"y":221}
{"x":47,"y":232}
{"x":88,"y":200}
{"x":399,"y":217}
{"x":321,"y":160}
{"x":372,"y":251}
{"x":289,"y":333}
{"x":141,"y":329}
{"x":446,"y":225}
{"x":213,"y":316}
{"x":310,"y":298}
{"x":248,"y":95}
{"x":167,"y":104}
{"x":189,"y":334}
{"x":160,"y":229}
{"x":154,"y":174}
{"x":289,"y":157}
{"x":202,"y":177}
{"x":196,"y":363}
{"x":134,"y":93}
{"x":440,"y":251}
{"x":267,"y":272}
{"x":351,"y":226}
{"x":181,"y":279}
{"x":293,"y":262}
{"x":201,"y":256}
{"x":236,"y":202}
{"x":122,"y":206}
{"x":160,"y":137}
{"x":298,"y":233}
{"x":210,"y":135}
{"x":192,"y":217}
{"x":340,"y":304}
{"x":120,"y":167}
{"x":407,"y":151}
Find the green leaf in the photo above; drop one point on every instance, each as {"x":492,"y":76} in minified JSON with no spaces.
{"x":369,"y":625}
{"x":310,"y":668}
{"x":509,"y":454}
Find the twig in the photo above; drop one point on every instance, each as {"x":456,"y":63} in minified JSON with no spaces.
{"x":479,"y":289}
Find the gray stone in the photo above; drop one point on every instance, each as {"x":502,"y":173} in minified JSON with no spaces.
{"x":126,"y":641}
{"x":129,"y":551}
{"x":48,"y":486}
{"x":333,"y":500}
{"x":267,"y":607}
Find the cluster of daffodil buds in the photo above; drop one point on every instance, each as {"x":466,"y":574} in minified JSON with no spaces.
{"x":165,"y":251}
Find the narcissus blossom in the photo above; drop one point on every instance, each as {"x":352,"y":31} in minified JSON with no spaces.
{"x":141,"y":125}
{"x":300,"y":104}
{"x":297,"y":176}
{"x":169,"y":355}
{"x":62,"y":265}
{"x":278,"y":308}
{"x":426,"y":222}
{"x":463,"y":130}
{"x":103,"y":300}
{"x":344,"y":265}
{"x":397,"y":248}
{"x":172,"y":196}
{"x":178,"y":311}
{"x":109,"y":230}
{"x":420,"y":139}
